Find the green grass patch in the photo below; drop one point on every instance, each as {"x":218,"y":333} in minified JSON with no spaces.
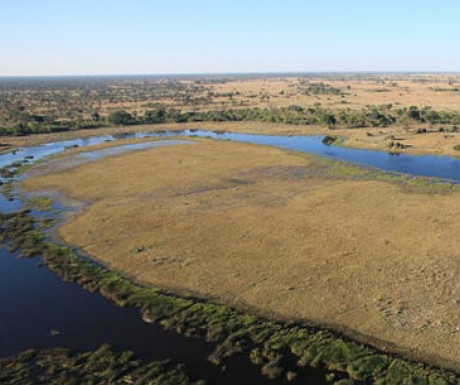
{"x":238,"y":181}
{"x":41,"y":204}
{"x":335,"y":169}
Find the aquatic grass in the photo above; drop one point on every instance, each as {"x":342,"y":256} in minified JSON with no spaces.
{"x":41,"y":204}
{"x":6,"y":172}
{"x":46,"y":222}
{"x":325,"y":168}
{"x":7,"y":190}
{"x":9,"y":174}
{"x":102,"y":366}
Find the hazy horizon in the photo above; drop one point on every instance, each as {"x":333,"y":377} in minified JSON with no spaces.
{"x":254,"y":73}
{"x":147,"y":38}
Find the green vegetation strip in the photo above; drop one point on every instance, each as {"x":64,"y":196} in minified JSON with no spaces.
{"x":278,"y":348}
{"x":369,"y":116}
{"x":102,"y":366}
{"x":342,"y":170}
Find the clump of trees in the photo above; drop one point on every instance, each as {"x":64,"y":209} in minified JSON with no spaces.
{"x":120,"y":118}
{"x":321,"y":89}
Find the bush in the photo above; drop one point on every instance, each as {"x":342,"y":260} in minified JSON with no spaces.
{"x":328,"y":140}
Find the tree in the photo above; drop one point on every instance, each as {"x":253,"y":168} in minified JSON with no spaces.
{"x":120,"y":118}
{"x":155,"y":116}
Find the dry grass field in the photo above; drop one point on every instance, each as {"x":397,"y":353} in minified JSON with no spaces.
{"x":406,"y":91}
{"x":439,"y":91}
{"x":246,"y":225}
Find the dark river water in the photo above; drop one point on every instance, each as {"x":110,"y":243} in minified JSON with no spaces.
{"x":34,"y":301}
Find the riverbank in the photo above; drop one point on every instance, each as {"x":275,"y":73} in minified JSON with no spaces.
{"x":280,"y":207}
{"x":278,"y":348}
{"x":418,"y":139}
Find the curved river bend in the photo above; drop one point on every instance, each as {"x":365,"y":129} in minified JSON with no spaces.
{"x":34,"y":301}
{"x":425,"y":165}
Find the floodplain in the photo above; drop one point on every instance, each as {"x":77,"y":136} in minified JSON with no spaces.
{"x":259,"y":229}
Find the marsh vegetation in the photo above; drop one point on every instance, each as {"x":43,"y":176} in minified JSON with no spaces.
{"x":280,"y":349}
{"x":102,"y":366}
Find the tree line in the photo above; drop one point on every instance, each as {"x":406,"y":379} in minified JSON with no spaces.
{"x":371,"y":116}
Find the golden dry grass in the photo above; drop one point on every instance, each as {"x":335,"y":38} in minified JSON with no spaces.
{"x":284,"y":92}
{"x":398,"y":89}
{"x":246,"y":226}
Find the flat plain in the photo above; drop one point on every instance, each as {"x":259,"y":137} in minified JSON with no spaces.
{"x":257,"y":228}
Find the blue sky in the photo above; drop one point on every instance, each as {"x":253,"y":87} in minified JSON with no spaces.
{"x":64,"y":37}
